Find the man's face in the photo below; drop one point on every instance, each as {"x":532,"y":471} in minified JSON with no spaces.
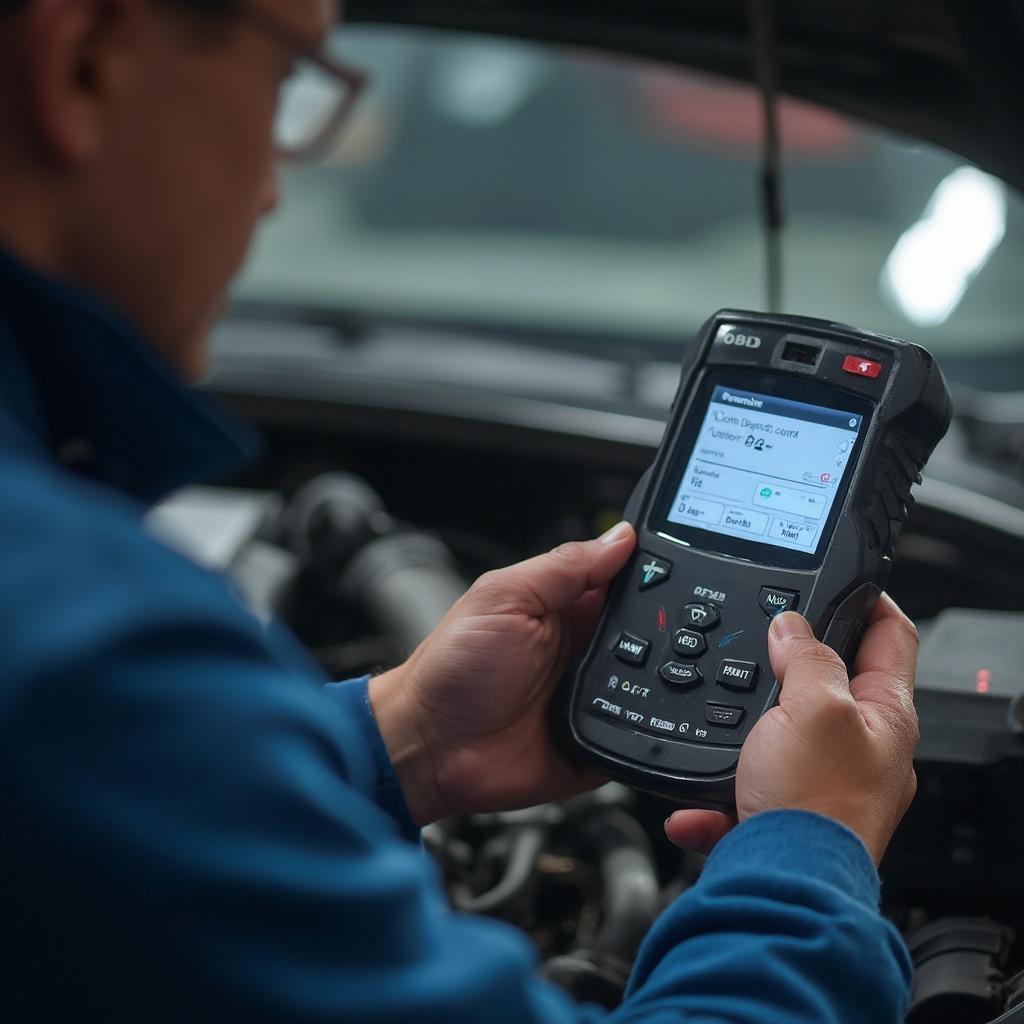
{"x":160,"y":216}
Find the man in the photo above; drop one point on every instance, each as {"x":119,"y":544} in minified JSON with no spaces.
{"x":196,"y":826}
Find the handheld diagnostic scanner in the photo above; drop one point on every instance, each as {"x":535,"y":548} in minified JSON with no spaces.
{"x":782,"y":482}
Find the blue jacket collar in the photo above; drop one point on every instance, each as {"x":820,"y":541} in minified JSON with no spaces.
{"x":81,"y":386}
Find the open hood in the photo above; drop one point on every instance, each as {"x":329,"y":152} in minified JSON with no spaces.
{"x":947,"y":71}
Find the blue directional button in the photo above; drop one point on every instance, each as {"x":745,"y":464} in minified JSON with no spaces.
{"x":653,"y":570}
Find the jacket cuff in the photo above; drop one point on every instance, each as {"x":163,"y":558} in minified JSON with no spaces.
{"x":354,"y":698}
{"x":800,"y":843}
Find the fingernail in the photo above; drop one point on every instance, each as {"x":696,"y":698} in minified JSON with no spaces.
{"x":616,"y":533}
{"x":789,"y":625}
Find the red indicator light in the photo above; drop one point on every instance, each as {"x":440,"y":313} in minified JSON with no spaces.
{"x":981,"y":680}
{"x":662,"y":620}
{"x":862,"y":367}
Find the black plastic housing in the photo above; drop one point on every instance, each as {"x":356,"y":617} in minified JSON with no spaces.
{"x":906,"y":408}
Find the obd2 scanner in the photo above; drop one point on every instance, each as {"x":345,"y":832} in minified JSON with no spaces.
{"x":782,"y":482}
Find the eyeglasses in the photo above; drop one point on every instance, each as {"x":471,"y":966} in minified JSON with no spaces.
{"x":316,"y":99}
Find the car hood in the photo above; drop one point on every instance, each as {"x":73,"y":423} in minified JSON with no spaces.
{"x":947,"y":72}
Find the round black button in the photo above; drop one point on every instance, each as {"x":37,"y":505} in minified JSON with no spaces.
{"x":688,"y":644}
{"x":700,"y":616}
{"x":681,"y":675}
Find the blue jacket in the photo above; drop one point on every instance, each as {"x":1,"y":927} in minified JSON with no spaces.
{"x":196,"y":827}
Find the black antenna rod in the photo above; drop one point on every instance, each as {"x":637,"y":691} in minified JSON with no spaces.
{"x":766,"y":71}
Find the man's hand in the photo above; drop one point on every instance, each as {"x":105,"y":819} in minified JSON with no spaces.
{"x":465,"y":719}
{"x":843,"y":748}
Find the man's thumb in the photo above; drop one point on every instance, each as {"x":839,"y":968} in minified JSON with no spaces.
{"x":553,"y":581}
{"x":804,"y":666}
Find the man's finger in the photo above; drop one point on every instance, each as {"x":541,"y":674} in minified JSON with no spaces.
{"x":552,"y":582}
{"x":887,"y":660}
{"x":698,"y":831}
{"x":804,"y":666}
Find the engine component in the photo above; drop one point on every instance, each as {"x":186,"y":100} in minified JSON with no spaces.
{"x":1015,"y":994}
{"x":329,"y":520}
{"x":959,"y":964}
{"x":630,"y":884}
{"x":223,"y":529}
{"x":507,"y":899}
{"x":958,"y":836}
{"x":406,"y":582}
{"x":403,"y":581}
{"x":589,"y":977}
{"x":599,"y":971}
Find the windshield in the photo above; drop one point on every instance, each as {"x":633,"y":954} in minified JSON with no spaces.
{"x":523,"y":186}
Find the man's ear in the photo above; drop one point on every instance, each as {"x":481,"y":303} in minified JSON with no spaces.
{"x":77,"y":60}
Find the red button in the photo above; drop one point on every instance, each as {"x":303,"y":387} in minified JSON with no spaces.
{"x":862,"y":367}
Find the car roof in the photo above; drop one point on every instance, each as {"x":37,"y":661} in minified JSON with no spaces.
{"x":946,"y":72}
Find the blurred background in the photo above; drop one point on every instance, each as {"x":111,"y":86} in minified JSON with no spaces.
{"x":515,"y":184}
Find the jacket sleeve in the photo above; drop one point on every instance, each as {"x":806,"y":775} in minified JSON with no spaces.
{"x":783,"y":925}
{"x":353,"y":698}
{"x":193,"y":832}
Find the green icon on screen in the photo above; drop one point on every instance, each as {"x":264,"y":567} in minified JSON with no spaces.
{"x":766,"y":492}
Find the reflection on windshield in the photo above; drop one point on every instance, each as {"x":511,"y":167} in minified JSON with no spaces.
{"x":503,"y":183}
{"x":936,"y":258}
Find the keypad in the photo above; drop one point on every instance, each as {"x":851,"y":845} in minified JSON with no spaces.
{"x":702,"y":686}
